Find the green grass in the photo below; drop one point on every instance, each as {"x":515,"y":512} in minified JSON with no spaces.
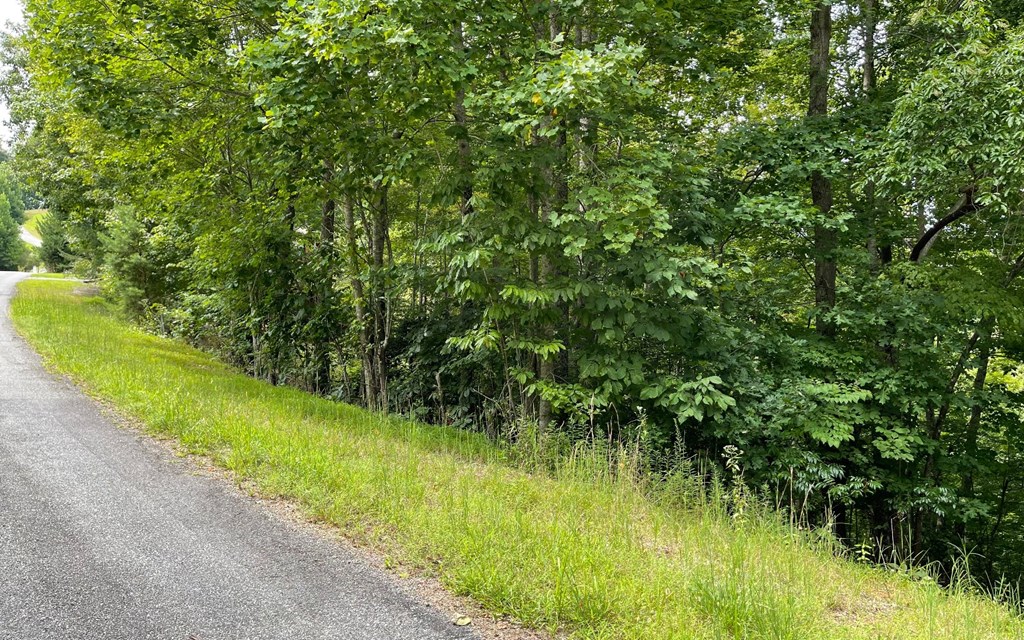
{"x":32,"y":219}
{"x":575,"y":549}
{"x":53,"y":276}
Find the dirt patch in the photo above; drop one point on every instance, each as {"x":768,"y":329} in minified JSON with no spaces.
{"x":86,"y":291}
{"x":863,"y":609}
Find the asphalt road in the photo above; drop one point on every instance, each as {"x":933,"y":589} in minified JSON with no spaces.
{"x":28,"y":238}
{"x":106,"y":535}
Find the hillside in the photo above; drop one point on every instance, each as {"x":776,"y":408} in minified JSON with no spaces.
{"x":32,"y":219}
{"x":563,"y":545}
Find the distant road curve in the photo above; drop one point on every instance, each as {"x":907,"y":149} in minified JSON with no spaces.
{"x":106,"y":535}
{"x":29,"y":238}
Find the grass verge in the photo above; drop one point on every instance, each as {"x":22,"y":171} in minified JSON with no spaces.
{"x":54,"y":276}
{"x":577,"y":550}
{"x":32,"y":219}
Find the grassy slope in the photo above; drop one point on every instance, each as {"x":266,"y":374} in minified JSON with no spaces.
{"x":576,"y":551}
{"x":32,"y":219}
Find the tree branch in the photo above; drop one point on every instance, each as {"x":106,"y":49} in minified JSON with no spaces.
{"x":964,"y":206}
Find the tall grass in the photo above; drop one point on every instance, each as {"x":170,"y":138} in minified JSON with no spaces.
{"x":583,"y":548}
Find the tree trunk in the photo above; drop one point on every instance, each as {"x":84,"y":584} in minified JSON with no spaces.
{"x":554,"y":196}
{"x":380,"y":307}
{"x":821,"y":186}
{"x":322,"y":350}
{"x":465,"y":179}
{"x":868,"y":11}
{"x":974,"y":423}
{"x":359,"y":299}
{"x":552,"y":201}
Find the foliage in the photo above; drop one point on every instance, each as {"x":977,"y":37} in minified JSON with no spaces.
{"x":11,"y":248}
{"x":581,"y":548}
{"x":600,"y":220}
{"x":14,"y":254}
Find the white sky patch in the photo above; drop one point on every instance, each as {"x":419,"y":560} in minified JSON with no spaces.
{"x":10,"y":12}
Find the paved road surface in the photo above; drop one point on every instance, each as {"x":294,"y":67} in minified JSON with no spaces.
{"x":104,"y":535}
{"x":29,"y":238}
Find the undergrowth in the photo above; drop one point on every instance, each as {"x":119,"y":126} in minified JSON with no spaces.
{"x":588,"y":545}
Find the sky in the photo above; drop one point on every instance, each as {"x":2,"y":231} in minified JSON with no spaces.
{"x":10,"y":11}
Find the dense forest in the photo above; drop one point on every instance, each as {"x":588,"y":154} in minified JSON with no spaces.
{"x":782,"y":238}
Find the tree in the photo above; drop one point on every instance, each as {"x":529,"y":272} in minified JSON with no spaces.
{"x":11,"y":247}
{"x":785,"y":232}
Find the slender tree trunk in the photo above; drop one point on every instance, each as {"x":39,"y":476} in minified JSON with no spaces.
{"x":532,"y":403}
{"x":359,"y":299}
{"x":868,"y":10}
{"x":548,"y":273}
{"x":1001,"y":511}
{"x":322,"y":350}
{"x":380,"y":303}
{"x":284,"y":279}
{"x":462,"y":135}
{"x":585,"y":144}
{"x":821,"y":186}
{"x":974,"y":425}
{"x":327,"y":214}
{"x":554,"y":196}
